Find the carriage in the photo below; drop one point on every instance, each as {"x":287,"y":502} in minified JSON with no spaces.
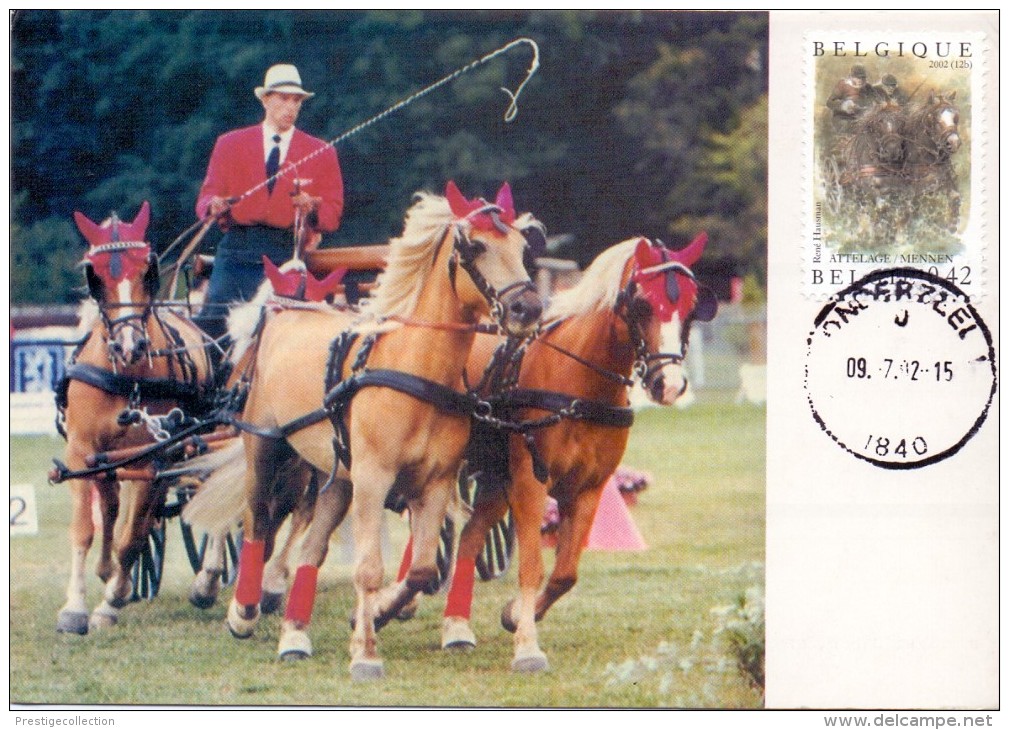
{"x":892,"y":165}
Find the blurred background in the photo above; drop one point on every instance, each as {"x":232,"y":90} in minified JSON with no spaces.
{"x":637,"y":123}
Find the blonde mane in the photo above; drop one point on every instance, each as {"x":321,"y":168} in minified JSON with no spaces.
{"x":398,"y":287}
{"x":599,"y":286}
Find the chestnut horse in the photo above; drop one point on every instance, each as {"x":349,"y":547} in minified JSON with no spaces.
{"x":135,"y":354}
{"x":393,"y":403}
{"x":630,"y":314}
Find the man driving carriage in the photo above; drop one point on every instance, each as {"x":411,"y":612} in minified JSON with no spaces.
{"x":851,"y":98}
{"x":276,"y":171}
{"x":888,"y":90}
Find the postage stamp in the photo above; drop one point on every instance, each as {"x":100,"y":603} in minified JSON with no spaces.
{"x":894,"y":150}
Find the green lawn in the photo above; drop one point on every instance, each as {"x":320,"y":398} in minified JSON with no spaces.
{"x":638,"y":630}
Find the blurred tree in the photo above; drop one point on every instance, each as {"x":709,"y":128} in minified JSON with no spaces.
{"x":110,"y":108}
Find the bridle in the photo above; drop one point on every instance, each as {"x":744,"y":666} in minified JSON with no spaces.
{"x":135,"y":322}
{"x":464,"y":255}
{"x":647,"y":363}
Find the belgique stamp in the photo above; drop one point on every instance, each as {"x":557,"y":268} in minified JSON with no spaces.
{"x":900,"y":369}
{"x":894,"y":156}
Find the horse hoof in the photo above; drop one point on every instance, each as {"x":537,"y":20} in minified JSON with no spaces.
{"x":201,"y":601}
{"x":456,"y":634}
{"x":408,"y":611}
{"x":270,"y":602}
{"x":102,"y":620}
{"x":295,"y":645}
{"x":530,"y":663}
{"x":72,"y":622}
{"x":366,"y":670}
{"x":239,"y":626}
{"x":508,"y":622}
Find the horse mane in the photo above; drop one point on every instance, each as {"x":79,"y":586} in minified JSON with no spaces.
{"x":599,"y":286}
{"x":411,"y":257}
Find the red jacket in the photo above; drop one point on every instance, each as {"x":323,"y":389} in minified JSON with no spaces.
{"x":237,"y":165}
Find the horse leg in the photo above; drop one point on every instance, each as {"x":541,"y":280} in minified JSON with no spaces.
{"x":137,"y":514}
{"x":278,"y":568}
{"x":330,"y":509}
{"x":371,"y":485}
{"x":576,"y":519}
{"x":427,"y":514}
{"x":528,"y":503}
{"x":456,"y":632}
{"x":262,"y":456}
{"x":73,"y":616}
{"x":207,"y":583}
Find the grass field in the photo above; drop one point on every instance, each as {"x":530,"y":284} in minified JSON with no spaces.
{"x":638,"y":630}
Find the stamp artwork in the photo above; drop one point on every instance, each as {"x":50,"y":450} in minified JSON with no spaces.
{"x":893,"y":156}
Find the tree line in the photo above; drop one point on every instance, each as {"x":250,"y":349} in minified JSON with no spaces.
{"x":637,"y":123}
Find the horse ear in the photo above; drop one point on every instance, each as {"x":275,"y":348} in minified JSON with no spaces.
{"x":931,"y":98}
{"x":951,"y":95}
{"x":88,"y":228}
{"x":138,"y":228}
{"x":643,"y":253}
{"x":152,"y":277}
{"x":318,"y":289}
{"x":505,"y":202}
{"x":456,"y":201}
{"x":693,"y":250}
{"x":273,"y":274}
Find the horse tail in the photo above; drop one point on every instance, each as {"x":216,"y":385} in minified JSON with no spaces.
{"x":219,"y":503}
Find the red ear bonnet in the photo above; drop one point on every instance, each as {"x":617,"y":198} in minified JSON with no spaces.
{"x":117,"y":249}
{"x":300,"y":284}
{"x":463,"y":208}
{"x":689,"y":254}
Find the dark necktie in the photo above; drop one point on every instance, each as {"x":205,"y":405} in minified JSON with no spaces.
{"x":273,"y":164}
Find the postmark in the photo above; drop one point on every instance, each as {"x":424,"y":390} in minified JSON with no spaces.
{"x":894,"y":156}
{"x":900,"y":369}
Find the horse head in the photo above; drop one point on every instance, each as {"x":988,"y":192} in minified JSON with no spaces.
{"x":489,"y":247}
{"x":122,"y":276}
{"x":660,"y":301}
{"x":884,"y":126}
{"x":942,"y":120}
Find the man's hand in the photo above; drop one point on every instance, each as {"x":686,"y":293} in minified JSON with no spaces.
{"x":218,"y":205}
{"x":305,"y":203}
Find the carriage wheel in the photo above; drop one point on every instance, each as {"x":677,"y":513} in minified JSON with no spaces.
{"x":496,"y":555}
{"x":147,"y":570}
{"x":446,"y":551}
{"x":196,"y":551}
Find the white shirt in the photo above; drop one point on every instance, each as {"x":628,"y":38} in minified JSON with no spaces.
{"x":268,"y":143}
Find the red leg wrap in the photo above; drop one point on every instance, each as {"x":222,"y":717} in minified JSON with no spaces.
{"x":302,"y":597}
{"x":404,"y":567}
{"x":460,"y":595}
{"x":250,"y":573}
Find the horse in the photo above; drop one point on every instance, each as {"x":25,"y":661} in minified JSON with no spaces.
{"x":134,"y":354}
{"x":933,"y":138}
{"x":631,"y":313}
{"x":397,"y":424}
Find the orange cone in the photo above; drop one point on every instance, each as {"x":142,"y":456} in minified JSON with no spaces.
{"x":613,"y":528}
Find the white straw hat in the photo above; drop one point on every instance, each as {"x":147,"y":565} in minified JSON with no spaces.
{"x":282,"y":78}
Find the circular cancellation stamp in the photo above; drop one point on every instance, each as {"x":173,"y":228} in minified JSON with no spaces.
{"x":900,"y":369}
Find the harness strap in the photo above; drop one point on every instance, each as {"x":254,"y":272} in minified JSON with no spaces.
{"x":127,"y":387}
{"x":441,"y":396}
{"x":569,"y":406}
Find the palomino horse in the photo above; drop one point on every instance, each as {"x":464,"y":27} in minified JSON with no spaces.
{"x":135,"y":354}
{"x":933,"y":139}
{"x":394,"y":407}
{"x":630,"y":314}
